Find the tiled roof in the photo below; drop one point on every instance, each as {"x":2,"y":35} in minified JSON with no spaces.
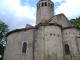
{"x":28,"y":27}
{"x":70,"y":27}
{"x":47,"y":21}
{"x":17,"y":30}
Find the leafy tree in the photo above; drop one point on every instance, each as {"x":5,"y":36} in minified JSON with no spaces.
{"x":1,"y":51}
{"x":75,"y":22}
{"x":3,"y":30}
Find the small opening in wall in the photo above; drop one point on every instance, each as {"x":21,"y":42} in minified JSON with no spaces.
{"x":58,"y":35}
{"x":67,"y":51}
{"x":42,"y":4}
{"x":45,"y":3}
{"x":39,"y":4}
{"x":54,"y":34}
{"x":49,"y":4}
{"x":66,"y":33}
{"x":24,"y":47}
{"x":50,"y":33}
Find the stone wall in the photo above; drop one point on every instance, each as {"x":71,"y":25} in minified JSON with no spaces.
{"x":15,"y":41}
{"x":69,"y":37}
{"x":61,"y":19}
{"x":44,"y":12}
{"x":48,"y":43}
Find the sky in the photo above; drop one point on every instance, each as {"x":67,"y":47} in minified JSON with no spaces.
{"x":17,"y":13}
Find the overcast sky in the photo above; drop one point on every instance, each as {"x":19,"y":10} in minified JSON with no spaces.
{"x":18,"y":13}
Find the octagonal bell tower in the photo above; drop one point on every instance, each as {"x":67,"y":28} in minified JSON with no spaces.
{"x":45,"y":10}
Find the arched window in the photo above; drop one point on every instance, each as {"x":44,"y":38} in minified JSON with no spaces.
{"x":49,"y":4}
{"x":67,"y":51}
{"x":24,"y":47}
{"x":39,"y":5}
{"x":45,"y":3}
{"x":42,"y":4}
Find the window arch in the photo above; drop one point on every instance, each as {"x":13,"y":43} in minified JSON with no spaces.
{"x":39,"y":5}
{"x":45,"y":3}
{"x":24,"y":47}
{"x":49,"y":4}
{"x":42,"y":4}
{"x":67,"y":51}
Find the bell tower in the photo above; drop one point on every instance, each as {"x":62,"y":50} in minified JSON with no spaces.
{"x":45,"y":10}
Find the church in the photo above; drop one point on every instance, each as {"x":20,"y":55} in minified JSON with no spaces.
{"x":52,"y":38}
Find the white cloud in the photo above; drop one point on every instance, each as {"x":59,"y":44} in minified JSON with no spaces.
{"x":15,"y":15}
{"x":70,"y":8}
{"x":57,"y":1}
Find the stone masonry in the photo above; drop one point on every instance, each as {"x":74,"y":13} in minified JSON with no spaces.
{"x":52,"y":38}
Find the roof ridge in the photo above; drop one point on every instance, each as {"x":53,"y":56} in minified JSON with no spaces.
{"x":28,"y":26}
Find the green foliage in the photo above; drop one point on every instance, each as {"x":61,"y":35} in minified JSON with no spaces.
{"x":75,"y":22}
{"x":3,"y":30}
{"x":1,"y":51}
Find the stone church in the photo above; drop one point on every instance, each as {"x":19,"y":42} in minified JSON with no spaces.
{"x":52,"y":38}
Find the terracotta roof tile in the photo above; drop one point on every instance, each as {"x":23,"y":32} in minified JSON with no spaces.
{"x":28,"y":26}
{"x":70,"y":27}
{"x":48,"y":20}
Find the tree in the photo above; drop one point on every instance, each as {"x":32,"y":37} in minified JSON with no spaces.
{"x":3,"y":30}
{"x":75,"y":22}
{"x":1,"y":51}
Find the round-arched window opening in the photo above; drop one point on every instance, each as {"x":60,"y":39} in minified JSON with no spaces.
{"x":39,"y":5}
{"x":42,"y":4}
{"x":24,"y":47}
{"x":45,"y":3}
{"x":49,"y":4}
{"x":67,"y":51}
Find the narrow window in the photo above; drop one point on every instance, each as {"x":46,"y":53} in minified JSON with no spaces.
{"x":24,"y":47}
{"x":67,"y":51}
{"x":49,"y":4}
{"x":45,"y":4}
{"x":39,"y":5}
{"x":42,"y":4}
